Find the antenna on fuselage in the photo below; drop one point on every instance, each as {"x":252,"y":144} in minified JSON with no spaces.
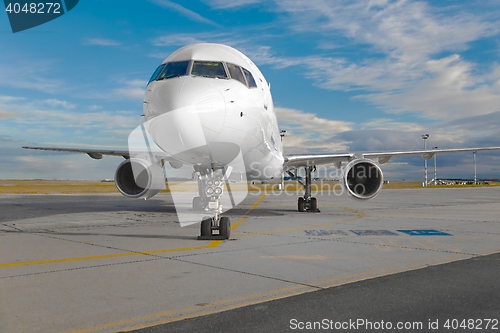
{"x":282,"y":134}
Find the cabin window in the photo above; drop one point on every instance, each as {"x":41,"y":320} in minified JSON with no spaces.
{"x":174,"y":69}
{"x":250,"y":79}
{"x":156,"y":73}
{"x":236,"y":73}
{"x":209,"y":69}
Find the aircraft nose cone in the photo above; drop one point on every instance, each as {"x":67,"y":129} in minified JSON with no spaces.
{"x":184,"y":114}
{"x":174,"y":93}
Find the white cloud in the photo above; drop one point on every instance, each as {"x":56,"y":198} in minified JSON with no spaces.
{"x":38,"y":121}
{"x":177,"y":39}
{"x":183,"y":11}
{"x":410,"y":60}
{"x":56,"y":120}
{"x":181,"y":39}
{"x":225,"y":4}
{"x":131,"y":89}
{"x":101,"y":42}
{"x":58,"y":103}
{"x":7,"y":114}
{"x":37,"y":163}
{"x":18,"y":163}
{"x":391,"y":124}
{"x":403,"y":29}
{"x":308,"y":122}
{"x":308,"y":132}
{"x":29,"y":75}
{"x":451,"y":91}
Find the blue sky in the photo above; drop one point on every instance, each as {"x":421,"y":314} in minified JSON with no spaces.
{"x":345,"y":76}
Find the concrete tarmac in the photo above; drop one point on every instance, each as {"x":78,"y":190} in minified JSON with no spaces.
{"x":105,"y":263}
{"x":463,"y":296}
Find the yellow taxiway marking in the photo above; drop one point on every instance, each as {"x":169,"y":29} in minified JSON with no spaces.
{"x":210,"y":245}
{"x":244,"y":217}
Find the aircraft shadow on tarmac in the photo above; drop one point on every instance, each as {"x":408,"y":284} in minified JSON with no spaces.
{"x":45,"y":206}
{"x":26,"y":207}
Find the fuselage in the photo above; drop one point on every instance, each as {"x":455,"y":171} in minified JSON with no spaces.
{"x":208,"y":103}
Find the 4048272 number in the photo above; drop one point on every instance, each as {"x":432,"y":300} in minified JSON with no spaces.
{"x":34,"y":8}
{"x":471,"y":324}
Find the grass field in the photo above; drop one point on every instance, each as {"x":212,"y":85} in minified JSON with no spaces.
{"x":92,"y":186}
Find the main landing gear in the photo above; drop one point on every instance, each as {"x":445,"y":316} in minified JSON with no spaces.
{"x":307,"y":203}
{"x":210,"y":189}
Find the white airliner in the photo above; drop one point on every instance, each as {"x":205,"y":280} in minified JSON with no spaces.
{"x":208,"y":105}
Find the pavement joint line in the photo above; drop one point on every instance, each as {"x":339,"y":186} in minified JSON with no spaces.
{"x":244,"y":249}
{"x":246,"y":300}
{"x":80,"y":242}
{"x":125,"y":322}
{"x":343,"y":239}
{"x":315,"y":286}
{"x":210,"y":245}
{"x":156,"y":257}
{"x":392,"y":246}
{"x":84,"y":267}
{"x":12,"y":227}
{"x":376,"y":273}
{"x":215,"y":244}
{"x":472,"y":232}
{"x":248,"y":273}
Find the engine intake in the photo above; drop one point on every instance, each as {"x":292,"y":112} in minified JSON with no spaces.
{"x":363,"y":179}
{"x":139,"y":178}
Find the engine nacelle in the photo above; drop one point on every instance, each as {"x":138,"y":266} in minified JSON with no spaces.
{"x":139,"y":178}
{"x":363,"y":179}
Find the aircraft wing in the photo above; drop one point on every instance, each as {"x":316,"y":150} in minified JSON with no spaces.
{"x":296,"y":161}
{"x":93,"y":153}
{"x":99,"y":153}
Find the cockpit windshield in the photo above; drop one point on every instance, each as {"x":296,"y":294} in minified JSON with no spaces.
{"x":209,"y":69}
{"x":241,"y":74}
{"x":250,"y":79}
{"x":156,"y":73}
{"x":236,"y":73}
{"x":174,"y":69}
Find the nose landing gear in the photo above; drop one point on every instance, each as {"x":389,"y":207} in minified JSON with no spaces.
{"x":211,"y":224}
{"x":210,"y":189}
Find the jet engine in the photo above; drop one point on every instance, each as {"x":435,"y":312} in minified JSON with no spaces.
{"x":363,"y":179}
{"x":139,"y":178}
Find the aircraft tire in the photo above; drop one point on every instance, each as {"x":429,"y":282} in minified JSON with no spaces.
{"x":301,"y":205}
{"x":225,"y":227}
{"x":313,"y":204}
{"x":206,"y":226}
